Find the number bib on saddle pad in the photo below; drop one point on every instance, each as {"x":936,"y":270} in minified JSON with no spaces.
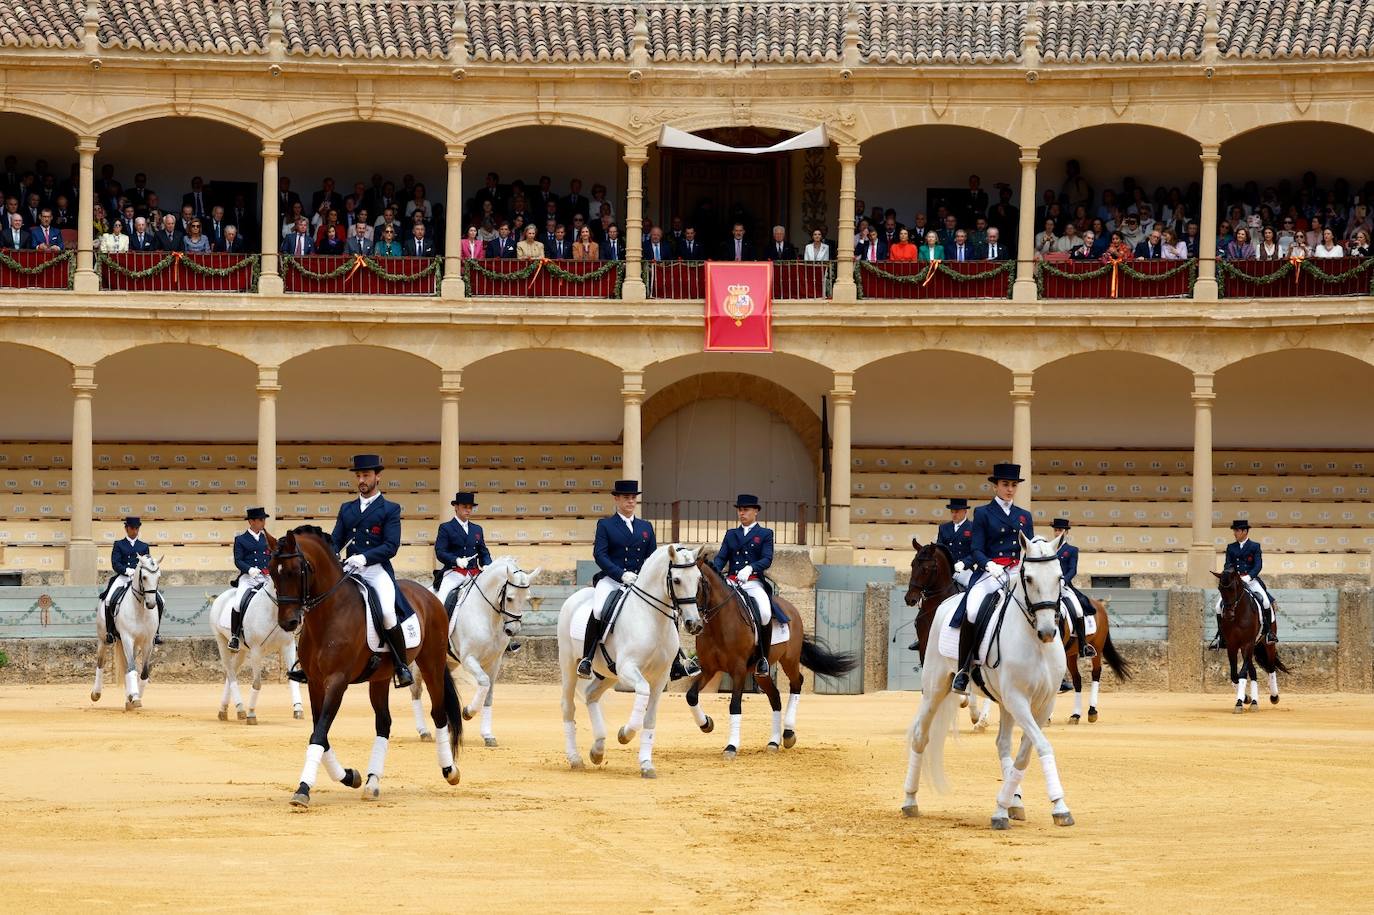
{"x":781,"y":632}
{"x":410,"y":625}
{"x":949,"y":637}
{"x":1089,"y":620}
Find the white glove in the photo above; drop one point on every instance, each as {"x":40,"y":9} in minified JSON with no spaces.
{"x":745,"y":573}
{"x":997,"y":572}
{"x":1245,"y":578}
{"x":470,"y":561}
{"x":354,"y":564}
{"x":255,"y":574}
{"x":629,"y":578}
{"x":959,"y":566}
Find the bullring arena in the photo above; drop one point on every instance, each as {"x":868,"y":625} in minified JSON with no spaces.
{"x":1152,"y":389}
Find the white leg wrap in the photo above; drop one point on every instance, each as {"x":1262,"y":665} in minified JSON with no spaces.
{"x":913,"y":773}
{"x":1092,"y":702}
{"x":1240,"y":689}
{"x":376,"y":763}
{"x":699,"y":715}
{"x":1011,"y":784}
{"x":1052,"y":785}
{"x":486,"y":721}
{"x":131,"y":683}
{"x":777,"y":728}
{"x":1273,"y":684}
{"x":223,"y":699}
{"x":253,"y":698}
{"x":789,"y":720}
{"x":735,"y":721}
{"x":332,"y":766}
{"x":1254,"y":690}
{"x":1078,"y":702}
{"x":418,"y":708}
{"x":646,"y":747}
{"x":311,"y":770}
{"x":637,"y":714}
{"x":570,"y":737}
{"x":441,"y":738}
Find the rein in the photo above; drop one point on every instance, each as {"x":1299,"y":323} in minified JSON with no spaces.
{"x":307,"y":602}
{"x":670,"y":611}
{"x":499,"y":605}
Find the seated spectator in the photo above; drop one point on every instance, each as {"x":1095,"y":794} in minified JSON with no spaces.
{"x":657,"y":248}
{"x":1269,"y":248}
{"x":297,"y":243}
{"x":213,"y":225}
{"x":288,"y":223}
{"x":780,"y":249}
{"x":1359,"y":245}
{"x":1287,"y":232}
{"x":62,"y":216}
{"x":561,"y":249}
{"x":691,"y":249}
{"x":585,"y":249}
{"x":99,"y":226}
{"x":993,"y":249}
{"x":504,"y":244}
{"x":1069,"y":240}
{"x":599,"y":202}
{"x":231,"y":242}
{"x":739,"y":248}
{"x":918,"y":228}
{"x":1174,"y":250}
{"x":1131,"y":232}
{"x":358,"y":242}
{"x":1084,"y":252}
{"x":486,"y":232}
{"x":1191,"y":237}
{"x":114,"y":241}
{"x":1328,"y":246}
{"x":871,"y":248}
{"x":16,"y":237}
{"x":471,"y":247}
{"x":951,"y":225}
{"x":613,"y":248}
{"x":1298,"y":250}
{"x":141,"y":239}
{"x":333,"y":241}
{"x":1240,"y":247}
{"x":1118,"y":249}
{"x":529,"y":248}
{"x":1152,"y":248}
{"x":903,"y":250}
{"x":979,"y":236}
{"x":195,"y":241}
{"x":1315,"y":228}
{"x":818,"y":250}
{"x":387,"y":245}
{"x":1225,"y":234}
{"x":1046,"y":240}
{"x":932,"y":250}
{"x":962,"y":250}
{"x":418,"y":245}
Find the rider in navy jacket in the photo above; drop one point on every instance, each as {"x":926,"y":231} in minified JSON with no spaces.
{"x":1246,"y":557}
{"x":123,"y":559}
{"x":747,"y":551}
{"x":453,"y":546}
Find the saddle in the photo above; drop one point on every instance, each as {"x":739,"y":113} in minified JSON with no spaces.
{"x":778,"y":614}
{"x":611,"y":612}
{"x":111,"y":606}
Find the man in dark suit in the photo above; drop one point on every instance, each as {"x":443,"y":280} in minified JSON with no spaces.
{"x":745,"y":554}
{"x":961,"y":250}
{"x":676,"y":234}
{"x":503,"y":245}
{"x":15,"y":236}
{"x":656,"y":249}
{"x":417,"y":245}
{"x":545,"y":195}
{"x":169,"y":236}
{"x":779,"y":249}
{"x":871,"y":249}
{"x":613,"y":248}
{"x":299,"y":242}
{"x":195,"y":198}
{"x":140,"y":239}
{"x":975,"y":200}
{"x":737,"y":247}
{"x":252,"y":554}
{"x":561,"y":248}
{"x":286,"y":197}
{"x":994,"y":250}
{"x":326,"y":192}
{"x":491,"y":191}
{"x":138,"y":194}
{"x":213,"y":225}
{"x":461,"y":549}
{"x":947,"y":232}
{"x":358,"y":242}
{"x":622,"y":544}
{"x":1151,"y":248}
{"x":231,"y":242}
{"x":575,"y":203}
{"x":691,"y":248}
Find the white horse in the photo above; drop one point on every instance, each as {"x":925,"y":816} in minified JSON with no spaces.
{"x":486,"y":617}
{"x":136,"y":624}
{"x":642,"y":647}
{"x":1025,"y":668}
{"x":262,"y":638}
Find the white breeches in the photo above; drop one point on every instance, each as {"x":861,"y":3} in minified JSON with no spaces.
{"x":604,"y":589}
{"x":963,"y":578}
{"x":245,"y":582}
{"x":1070,"y":598}
{"x":450,"y":581}
{"x":386,"y":592}
{"x":1254,"y":588}
{"x":754,"y":589}
{"x":978,"y":592}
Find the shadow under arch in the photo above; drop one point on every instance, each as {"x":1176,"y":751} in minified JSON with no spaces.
{"x":935,"y":398}
{"x":1113,"y":399}
{"x":175,"y":392}
{"x":742,"y":386}
{"x":1298,"y":398}
{"x":44,"y":412}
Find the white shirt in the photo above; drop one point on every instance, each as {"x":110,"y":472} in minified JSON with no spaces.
{"x":745,"y":530}
{"x":1005,"y":506}
{"x":461,"y":523}
{"x":131,"y":540}
{"x":257,"y":535}
{"x":959,"y":524}
{"x":364,"y":503}
{"x":629,"y":521}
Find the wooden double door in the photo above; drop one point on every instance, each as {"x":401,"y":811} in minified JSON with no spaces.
{"x":713,"y":191}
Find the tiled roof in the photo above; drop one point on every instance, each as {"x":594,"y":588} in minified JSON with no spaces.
{"x":733,"y":32}
{"x":1296,"y":28}
{"x":941,"y":33}
{"x":41,"y":23}
{"x":1075,"y":31}
{"x":505,"y":30}
{"x":224,"y":26}
{"x":348,"y":28}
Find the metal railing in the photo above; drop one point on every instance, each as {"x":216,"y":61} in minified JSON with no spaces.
{"x":707,"y":520}
{"x":792,"y":280}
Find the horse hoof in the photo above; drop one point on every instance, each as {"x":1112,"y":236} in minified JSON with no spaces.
{"x":1017,"y":813}
{"x":730,"y":753}
{"x":467,"y":716}
{"x":772,"y":747}
{"x":1092,"y":715}
{"x":789,"y":739}
{"x":251,"y":719}
{"x":1001,"y":823}
{"x":598,"y":756}
{"x":963,"y":703}
{"x":1073,"y":719}
{"x":648,"y":773}
{"x":95,"y":697}
{"x":223,"y":715}
{"x":979,"y":726}
{"x":301,"y":800}
{"x":426,"y":737}
{"x":1240,"y":708}
{"x":576,"y":764}
{"x":373,"y":789}
{"x":911,"y":811}
{"x":240,"y":714}
{"x":489,"y":741}
{"x":352,"y":778}
{"x":1063,"y":819}
{"x":452,"y":776}
{"x":709,"y":726}
{"x":298,"y":713}
{"x":1273,"y":700}
{"x":132,"y":704}
{"x":1254,"y":706}
{"x":623,"y":736}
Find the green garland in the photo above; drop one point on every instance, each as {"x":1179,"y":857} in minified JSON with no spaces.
{"x":103,"y":260}
{"x":1306,"y":265}
{"x":914,"y":279}
{"x":471,"y":265}
{"x":66,"y":257}
{"x":1042,"y":268}
{"x":371,"y":263}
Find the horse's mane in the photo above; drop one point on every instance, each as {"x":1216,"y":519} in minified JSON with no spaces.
{"x":936,"y":545}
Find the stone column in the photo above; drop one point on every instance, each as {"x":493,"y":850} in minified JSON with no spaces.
{"x":1186,"y":633}
{"x":1354,"y":637}
{"x":1024,"y":289}
{"x":632,"y":393}
{"x":453,"y":227}
{"x":1202,"y":553}
{"x":845,"y":289}
{"x":81,"y":551}
{"x":86,"y":279}
{"x":632,"y":290}
{"x":269,"y":279}
{"x":1205,"y":289}
{"x":268,"y":388}
{"x":450,"y":468}
{"x":839,"y":548}
{"x":1021,"y":396}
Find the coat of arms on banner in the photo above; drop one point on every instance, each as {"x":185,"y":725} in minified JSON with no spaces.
{"x":738,"y":304}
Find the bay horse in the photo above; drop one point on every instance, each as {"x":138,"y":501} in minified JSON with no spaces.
{"x":727,"y":644}
{"x":1240,"y":633}
{"x":931,"y":583}
{"x":315,"y":596}
{"x":1101,"y":641}
{"x":1024,"y":671}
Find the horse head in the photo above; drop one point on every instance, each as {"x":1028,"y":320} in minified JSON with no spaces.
{"x":1042,"y":580}
{"x":684,"y":579}
{"x":304,"y":560}
{"x":931,"y":571}
{"x":149,"y":573}
{"x":1230,"y":587}
{"x":513,"y":598}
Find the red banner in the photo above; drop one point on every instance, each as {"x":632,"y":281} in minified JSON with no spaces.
{"x":739,"y":306}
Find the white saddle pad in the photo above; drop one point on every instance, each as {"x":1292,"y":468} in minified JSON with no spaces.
{"x":781,"y":631}
{"x":409,"y":628}
{"x":223,"y":620}
{"x":949,"y":641}
{"x":1089,"y":621}
{"x":577,"y":627}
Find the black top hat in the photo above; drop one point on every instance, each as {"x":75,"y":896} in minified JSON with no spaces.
{"x":133,"y":521}
{"x":625,"y":488}
{"x":464,"y":498}
{"x":1240,"y":524}
{"x":257,"y":514}
{"x":956,"y":505}
{"x":746,"y":500}
{"x":366,"y":462}
{"x":1010,"y":472}
{"x":1060,"y":524}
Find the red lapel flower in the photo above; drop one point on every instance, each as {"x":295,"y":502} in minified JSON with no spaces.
{"x":758,"y":539}
{"x":377,"y":530}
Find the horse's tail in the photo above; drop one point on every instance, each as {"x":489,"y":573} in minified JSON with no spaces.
{"x":452,"y":711}
{"x":941,"y":725}
{"x":1119,"y":665}
{"x":1268,"y":657}
{"x":817,"y":656}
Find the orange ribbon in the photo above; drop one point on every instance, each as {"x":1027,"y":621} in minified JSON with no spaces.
{"x":535,"y":275}
{"x":930,"y":272}
{"x":357,"y":263}
{"x":1297,"y":269}
{"x":176,"y":267}
{"x":1116,"y":265}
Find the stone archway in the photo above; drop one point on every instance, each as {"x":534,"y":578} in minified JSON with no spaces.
{"x":735,"y":386}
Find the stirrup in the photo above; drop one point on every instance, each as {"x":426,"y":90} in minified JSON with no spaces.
{"x":1215,"y":644}
{"x":960,"y":683}
{"x":297,"y":674}
{"x":512,"y":647}
{"x":914,"y":646}
{"x":584,"y":669}
{"x":234,"y":644}
{"x":690,"y":666}
{"x":763,"y":668}
{"x":1087,"y":650}
{"x":1065,"y":686}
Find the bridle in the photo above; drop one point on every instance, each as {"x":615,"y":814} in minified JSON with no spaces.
{"x":138,"y":586}
{"x":733,"y":594}
{"x":928,"y":593}
{"x":500,"y":603}
{"x":1229,"y":604}
{"x":1029,"y":611}
{"x":307,"y":602}
{"x":672,"y":611}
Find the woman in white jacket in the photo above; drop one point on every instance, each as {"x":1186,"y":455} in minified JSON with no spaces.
{"x":818,"y":250}
{"x":114,"y":241}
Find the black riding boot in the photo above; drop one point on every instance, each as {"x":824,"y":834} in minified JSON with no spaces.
{"x":397,"y":640}
{"x":968,"y":645}
{"x":765,"y":645}
{"x":592,"y":639}
{"x":297,"y":673}
{"x":1216,"y":641}
{"x":1271,"y":629}
{"x":235,"y":629}
{"x":1080,"y":632}
{"x":109,"y":624}
{"x":157,"y":636}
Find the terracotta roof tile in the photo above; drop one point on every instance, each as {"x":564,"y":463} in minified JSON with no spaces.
{"x":1123,"y":31}
{"x":1330,"y":29}
{"x":517,"y":32}
{"x":41,"y":23}
{"x":223,"y":26}
{"x":733,"y":32}
{"x":403,"y":29}
{"x":941,"y":33}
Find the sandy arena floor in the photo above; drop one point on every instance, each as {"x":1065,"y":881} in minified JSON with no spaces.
{"x":1179,"y":805}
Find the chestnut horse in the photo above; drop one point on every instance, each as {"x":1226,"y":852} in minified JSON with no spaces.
{"x":727,"y":644}
{"x":1101,"y":641}
{"x":932,"y":580}
{"x":314,"y":595}
{"x":1240,"y":633}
